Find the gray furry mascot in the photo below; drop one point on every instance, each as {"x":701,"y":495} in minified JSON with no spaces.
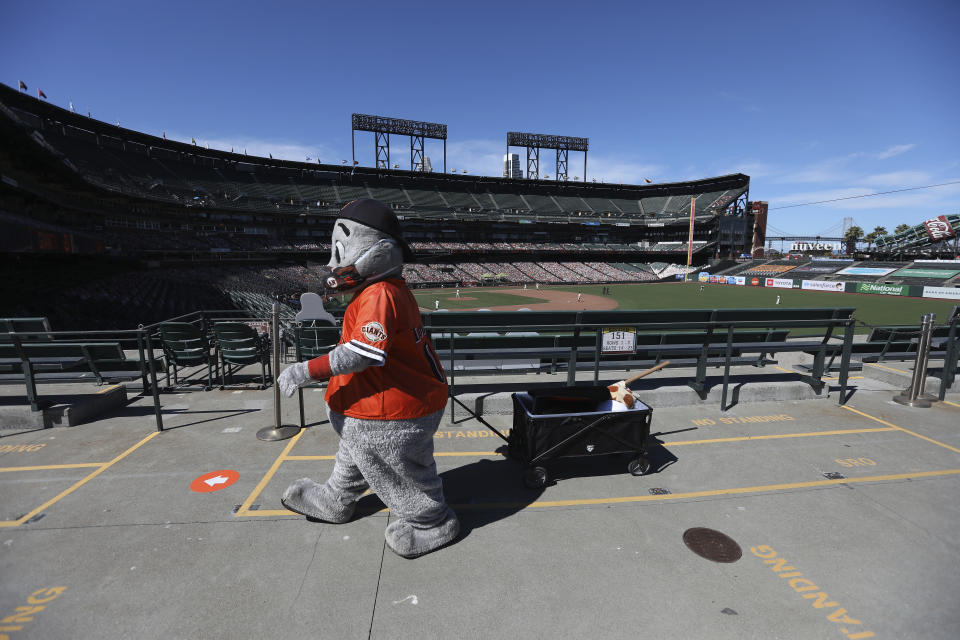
{"x":386,"y":391}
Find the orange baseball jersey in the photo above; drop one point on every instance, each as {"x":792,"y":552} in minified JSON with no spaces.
{"x":406,"y":380}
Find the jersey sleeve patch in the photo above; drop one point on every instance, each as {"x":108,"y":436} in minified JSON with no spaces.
{"x":374,"y":331}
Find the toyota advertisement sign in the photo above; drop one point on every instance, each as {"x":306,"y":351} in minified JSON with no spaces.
{"x":779,"y":283}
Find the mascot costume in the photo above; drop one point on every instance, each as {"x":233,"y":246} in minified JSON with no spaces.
{"x":386,"y":391}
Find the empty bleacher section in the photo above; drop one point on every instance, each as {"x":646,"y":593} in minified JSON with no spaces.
{"x":172,"y":179}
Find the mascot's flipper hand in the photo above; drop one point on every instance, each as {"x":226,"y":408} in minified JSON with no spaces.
{"x":301,"y":373}
{"x":294,"y":377}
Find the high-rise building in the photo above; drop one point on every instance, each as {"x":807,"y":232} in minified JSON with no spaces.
{"x":426,"y":167}
{"x":511,"y":166}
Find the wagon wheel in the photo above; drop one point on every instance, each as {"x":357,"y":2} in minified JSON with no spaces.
{"x":535,"y":477}
{"x":639,"y":466}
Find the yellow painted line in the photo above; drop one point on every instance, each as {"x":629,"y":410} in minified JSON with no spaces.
{"x":740,"y":490}
{"x":874,"y":364}
{"x":952,"y":404}
{"x":765,"y":488}
{"x":77,"y":485}
{"x":268,"y":512}
{"x":836,"y":432}
{"x":108,"y":388}
{"x":787,"y":370}
{"x":777,"y":436}
{"x":242,"y":511}
{"x":44,"y":467}
{"x":913,"y":433}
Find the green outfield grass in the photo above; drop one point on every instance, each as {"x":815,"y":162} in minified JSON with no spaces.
{"x":485,"y":297}
{"x":870,"y":309}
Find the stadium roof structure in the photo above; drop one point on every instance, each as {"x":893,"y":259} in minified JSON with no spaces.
{"x":151,"y":168}
{"x":937,"y":235}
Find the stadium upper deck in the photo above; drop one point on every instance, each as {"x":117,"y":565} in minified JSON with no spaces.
{"x":129,"y":162}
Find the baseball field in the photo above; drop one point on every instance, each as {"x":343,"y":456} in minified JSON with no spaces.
{"x":870,"y":309}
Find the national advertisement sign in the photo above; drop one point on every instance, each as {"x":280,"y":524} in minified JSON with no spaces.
{"x":939,"y":228}
{"x":939,"y":274}
{"x":780,"y":283}
{"x":882,"y":289}
{"x":951,"y":293}
{"x":823,"y":285}
{"x":866,"y":271}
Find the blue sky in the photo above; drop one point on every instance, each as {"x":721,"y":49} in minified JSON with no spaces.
{"x":814,"y":100}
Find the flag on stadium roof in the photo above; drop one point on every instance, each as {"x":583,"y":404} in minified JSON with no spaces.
{"x":193,"y":140}
{"x":71,"y":106}
{"x":271,"y":156}
{"x":41,"y":94}
{"x":164,"y":135}
{"x":648,"y":180}
{"x":23,"y":85}
{"x":308,"y":159}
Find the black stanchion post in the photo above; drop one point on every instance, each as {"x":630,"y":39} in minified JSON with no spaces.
{"x":278,"y":431}
{"x":913,"y":396}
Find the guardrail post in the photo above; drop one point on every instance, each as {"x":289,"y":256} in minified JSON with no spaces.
{"x":845,"y":359}
{"x":913,"y":395}
{"x":153,"y":376}
{"x":278,"y":431}
{"x":950,"y":357}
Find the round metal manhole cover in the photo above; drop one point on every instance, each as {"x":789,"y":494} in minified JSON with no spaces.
{"x":712,"y":545}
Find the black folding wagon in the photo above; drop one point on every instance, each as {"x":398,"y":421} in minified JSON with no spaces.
{"x":564,"y":422}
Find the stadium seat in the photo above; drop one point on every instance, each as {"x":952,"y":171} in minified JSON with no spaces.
{"x":186,"y":345}
{"x":239,"y":344}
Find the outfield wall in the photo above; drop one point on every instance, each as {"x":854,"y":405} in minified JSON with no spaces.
{"x":875,"y":288}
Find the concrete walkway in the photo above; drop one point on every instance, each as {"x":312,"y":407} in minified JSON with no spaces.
{"x":844,"y":517}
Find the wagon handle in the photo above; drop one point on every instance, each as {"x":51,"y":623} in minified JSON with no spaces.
{"x":646,"y":373}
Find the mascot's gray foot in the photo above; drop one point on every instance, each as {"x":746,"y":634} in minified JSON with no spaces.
{"x":313,"y":500}
{"x":408,"y":541}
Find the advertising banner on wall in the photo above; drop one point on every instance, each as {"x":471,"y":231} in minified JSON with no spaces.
{"x":866,"y":271}
{"x":950,"y":293}
{"x":823,"y":285}
{"x":704,"y":276}
{"x":780,"y":283}
{"x":882,"y":289}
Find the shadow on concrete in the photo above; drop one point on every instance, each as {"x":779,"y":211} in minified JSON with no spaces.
{"x":131,"y":411}
{"x":480,"y":493}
